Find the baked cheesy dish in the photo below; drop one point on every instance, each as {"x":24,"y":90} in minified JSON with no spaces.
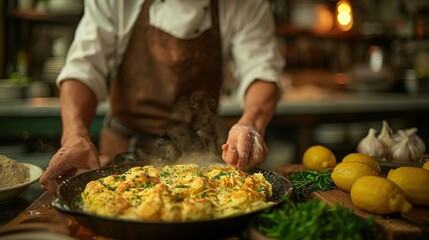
{"x":176,"y":193}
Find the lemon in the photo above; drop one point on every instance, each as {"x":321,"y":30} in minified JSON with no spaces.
{"x":318,"y":157}
{"x":426,"y":165}
{"x":346,"y":173}
{"x":378,"y":195}
{"x":363,"y":158}
{"x":414,"y":183}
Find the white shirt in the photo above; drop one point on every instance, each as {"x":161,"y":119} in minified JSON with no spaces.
{"x":246,"y":26}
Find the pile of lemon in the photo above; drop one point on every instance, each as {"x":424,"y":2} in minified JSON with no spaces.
{"x":359,"y":174}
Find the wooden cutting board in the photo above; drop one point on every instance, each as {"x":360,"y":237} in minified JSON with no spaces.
{"x":393,"y":227}
{"x":41,"y":211}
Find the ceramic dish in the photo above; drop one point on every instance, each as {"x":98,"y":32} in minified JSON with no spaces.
{"x":390,"y":164}
{"x":7,"y":194}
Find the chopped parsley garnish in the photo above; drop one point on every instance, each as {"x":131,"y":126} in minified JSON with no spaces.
{"x":165,"y":174}
{"x":221,"y":174}
{"x":175,"y":208}
{"x":111,"y":188}
{"x":119,"y":177}
{"x":149,"y":185}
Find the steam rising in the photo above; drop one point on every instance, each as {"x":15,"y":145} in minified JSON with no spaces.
{"x":194,"y":133}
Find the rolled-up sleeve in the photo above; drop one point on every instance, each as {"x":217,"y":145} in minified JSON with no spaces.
{"x":90,"y":58}
{"x":255,"y":49}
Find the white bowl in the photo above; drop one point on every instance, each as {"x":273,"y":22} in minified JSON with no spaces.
{"x":9,"y":90}
{"x":7,"y":194}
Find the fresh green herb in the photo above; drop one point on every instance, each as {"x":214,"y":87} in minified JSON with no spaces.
{"x":307,"y":181}
{"x":165,"y":174}
{"x":314,"y":220}
{"x":175,"y":208}
{"x":116,"y":178}
{"x":182,"y":186}
{"x":77,"y":202}
{"x":111,"y":188}
{"x":149,"y":185}
{"x":221,"y":174}
{"x":147,"y":174}
{"x":119,"y":177}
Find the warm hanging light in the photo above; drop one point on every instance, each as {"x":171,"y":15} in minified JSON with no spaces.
{"x":344,"y":15}
{"x":325,"y":19}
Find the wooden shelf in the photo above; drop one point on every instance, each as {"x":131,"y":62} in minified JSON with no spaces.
{"x":32,"y":15}
{"x":288,"y":29}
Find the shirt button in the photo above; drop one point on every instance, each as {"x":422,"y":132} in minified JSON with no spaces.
{"x":197,"y":31}
{"x":206,"y":8}
{"x":162,"y":1}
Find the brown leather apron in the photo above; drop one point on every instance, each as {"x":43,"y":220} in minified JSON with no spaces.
{"x":162,"y":83}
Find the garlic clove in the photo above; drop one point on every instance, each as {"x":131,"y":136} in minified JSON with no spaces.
{"x":403,"y":133}
{"x":418,"y":146}
{"x":418,"y":142}
{"x":372,"y":146}
{"x":385,"y":135}
{"x":410,"y":131}
{"x":415,"y":144}
{"x":406,"y":150}
{"x":399,"y":151}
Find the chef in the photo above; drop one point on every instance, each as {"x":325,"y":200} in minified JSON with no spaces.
{"x":145,"y":57}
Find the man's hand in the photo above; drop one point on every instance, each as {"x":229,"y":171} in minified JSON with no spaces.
{"x":245,"y":147}
{"x":78,"y":104}
{"x":77,"y":152}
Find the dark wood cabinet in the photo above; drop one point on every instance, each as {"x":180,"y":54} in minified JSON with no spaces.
{"x":29,"y":36}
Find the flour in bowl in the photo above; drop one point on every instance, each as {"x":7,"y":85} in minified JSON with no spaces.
{"x":12,"y":172}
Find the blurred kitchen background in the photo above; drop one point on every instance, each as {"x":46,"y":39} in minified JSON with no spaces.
{"x":350,"y":65}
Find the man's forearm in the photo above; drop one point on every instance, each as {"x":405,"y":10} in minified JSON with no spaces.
{"x":259,"y":105}
{"x":78,"y":104}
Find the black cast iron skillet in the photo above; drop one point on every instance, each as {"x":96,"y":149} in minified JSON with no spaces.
{"x":130,"y":229}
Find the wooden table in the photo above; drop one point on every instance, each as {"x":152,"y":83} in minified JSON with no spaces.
{"x":41,"y":211}
{"x":394,"y":227}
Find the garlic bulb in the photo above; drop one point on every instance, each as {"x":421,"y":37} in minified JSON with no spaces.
{"x":386,"y":135}
{"x":405,"y":151}
{"x":372,"y":146}
{"x":399,"y":152}
{"x":414,"y":140}
{"x":402,"y":133}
